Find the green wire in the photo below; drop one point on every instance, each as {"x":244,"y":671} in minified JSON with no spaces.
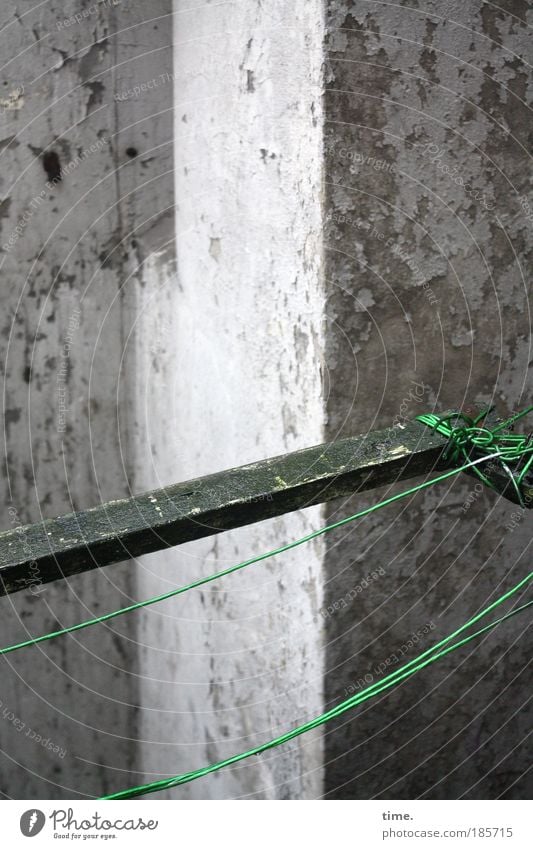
{"x":510,"y":447}
{"x":201,"y":581}
{"x":505,"y":447}
{"x":491,"y":444}
{"x":431,"y":655}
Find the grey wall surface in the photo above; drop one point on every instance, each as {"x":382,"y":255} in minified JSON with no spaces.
{"x":229,"y":666}
{"x":73,"y":255}
{"x":345,"y":189}
{"x":167,"y":377}
{"x":428,"y":252}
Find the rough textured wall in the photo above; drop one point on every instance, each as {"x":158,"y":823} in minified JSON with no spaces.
{"x":86,"y":188}
{"x":428,"y":248}
{"x":241,"y":662}
{"x":119,"y":376}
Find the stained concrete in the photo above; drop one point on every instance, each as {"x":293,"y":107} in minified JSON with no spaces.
{"x":166,"y":377}
{"x":427,"y":248}
{"x":87,"y":196}
{"x":343,"y":261}
{"x":229,"y":666}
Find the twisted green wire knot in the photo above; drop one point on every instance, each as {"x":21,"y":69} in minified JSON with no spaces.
{"x":513,"y":452}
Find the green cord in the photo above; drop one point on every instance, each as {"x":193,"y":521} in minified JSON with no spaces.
{"x":467,"y":434}
{"x":491,"y":444}
{"x":201,"y":581}
{"x":507,"y":448}
{"x":431,"y":655}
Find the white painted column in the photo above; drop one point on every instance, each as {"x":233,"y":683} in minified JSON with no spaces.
{"x":78,"y":99}
{"x":239,"y":340}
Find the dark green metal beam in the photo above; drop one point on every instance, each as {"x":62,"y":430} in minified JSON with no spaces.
{"x":119,"y":530}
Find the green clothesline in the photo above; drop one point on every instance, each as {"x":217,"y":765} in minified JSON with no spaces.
{"x":405,"y":671}
{"x":257,"y":559}
{"x":504,"y":451}
{"x":464,"y":435}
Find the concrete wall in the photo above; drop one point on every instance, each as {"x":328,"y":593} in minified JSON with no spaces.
{"x":76,"y":255}
{"x":427,"y":251}
{"x":387,"y":224}
{"x":236,"y":664}
{"x":161,"y":378}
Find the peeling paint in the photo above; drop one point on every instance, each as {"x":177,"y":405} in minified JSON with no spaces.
{"x":441,"y":93}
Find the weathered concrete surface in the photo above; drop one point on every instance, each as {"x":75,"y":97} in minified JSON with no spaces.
{"x":427,"y":251}
{"x":422,"y":299}
{"x":72,"y":255}
{"x":230,"y":666}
